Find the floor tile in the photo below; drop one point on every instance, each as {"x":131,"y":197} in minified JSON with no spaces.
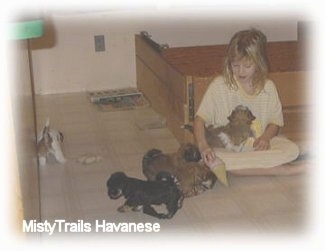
{"x":75,"y":191}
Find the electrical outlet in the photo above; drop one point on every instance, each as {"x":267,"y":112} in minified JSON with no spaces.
{"x":99,"y":43}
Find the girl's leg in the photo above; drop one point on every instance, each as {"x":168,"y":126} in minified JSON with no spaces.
{"x":282,"y":170}
{"x":275,"y":161}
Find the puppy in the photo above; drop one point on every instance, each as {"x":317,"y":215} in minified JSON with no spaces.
{"x":143,"y":194}
{"x":193,"y":176}
{"x":233,"y":135}
{"x":49,"y":143}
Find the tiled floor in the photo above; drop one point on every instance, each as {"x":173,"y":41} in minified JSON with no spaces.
{"x":78,"y":192}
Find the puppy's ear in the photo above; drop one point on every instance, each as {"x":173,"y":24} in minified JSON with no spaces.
{"x":45,"y":130}
{"x":120,"y":175}
{"x":251,"y":116}
{"x":107,"y":182}
{"x":192,"y":153}
{"x":232,"y":116}
{"x":61,"y":136}
{"x":116,"y":177}
{"x":47,"y":137}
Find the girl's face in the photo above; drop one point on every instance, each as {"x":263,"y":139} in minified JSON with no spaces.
{"x":243,"y":70}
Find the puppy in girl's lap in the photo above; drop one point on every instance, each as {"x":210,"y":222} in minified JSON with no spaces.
{"x":234,"y":135}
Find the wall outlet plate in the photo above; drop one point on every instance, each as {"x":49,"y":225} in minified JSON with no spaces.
{"x":99,"y":43}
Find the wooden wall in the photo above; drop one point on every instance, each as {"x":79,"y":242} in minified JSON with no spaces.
{"x":208,"y":60}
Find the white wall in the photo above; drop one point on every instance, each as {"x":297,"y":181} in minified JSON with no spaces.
{"x":72,"y":65}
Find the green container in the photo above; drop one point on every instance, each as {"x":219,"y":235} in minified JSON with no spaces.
{"x":26,"y":29}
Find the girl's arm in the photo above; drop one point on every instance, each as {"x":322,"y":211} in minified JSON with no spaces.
{"x":207,"y":153}
{"x":263,"y":142}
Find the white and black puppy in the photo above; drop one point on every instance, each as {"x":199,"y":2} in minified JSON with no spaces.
{"x":49,"y":143}
{"x":140,"y":194}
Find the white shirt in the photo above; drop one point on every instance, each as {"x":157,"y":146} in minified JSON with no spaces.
{"x":219,"y":101}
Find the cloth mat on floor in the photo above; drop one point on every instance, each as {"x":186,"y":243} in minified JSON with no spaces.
{"x":118,"y":99}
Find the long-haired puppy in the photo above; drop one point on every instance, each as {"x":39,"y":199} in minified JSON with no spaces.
{"x":141,"y":194}
{"x":49,"y":144}
{"x":193,"y":176}
{"x":232,"y":136}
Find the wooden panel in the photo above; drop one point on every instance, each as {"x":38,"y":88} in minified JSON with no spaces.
{"x":198,"y":60}
{"x":296,"y":122}
{"x":292,"y":88}
{"x":286,"y":56}
{"x":177,"y":90}
{"x":151,"y":58}
{"x":153,"y":88}
{"x":200,"y":86}
{"x":208,"y":60}
{"x":162,"y":85}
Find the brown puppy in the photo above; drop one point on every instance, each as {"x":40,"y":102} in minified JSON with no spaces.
{"x":233,"y":135}
{"x":193,"y":176}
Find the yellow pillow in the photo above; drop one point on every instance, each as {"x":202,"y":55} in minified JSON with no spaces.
{"x":220,"y":172}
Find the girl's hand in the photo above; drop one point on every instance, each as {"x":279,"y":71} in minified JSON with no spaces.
{"x":261,"y":144}
{"x":214,"y":163}
{"x":208,"y":156}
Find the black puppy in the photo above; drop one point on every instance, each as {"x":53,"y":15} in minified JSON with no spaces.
{"x":143,"y":194}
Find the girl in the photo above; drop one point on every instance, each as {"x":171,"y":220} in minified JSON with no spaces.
{"x":245,"y":82}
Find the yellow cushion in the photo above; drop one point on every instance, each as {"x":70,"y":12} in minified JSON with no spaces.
{"x":221,"y":174}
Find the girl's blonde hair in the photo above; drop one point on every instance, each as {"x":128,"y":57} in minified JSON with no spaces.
{"x":249,"y":45}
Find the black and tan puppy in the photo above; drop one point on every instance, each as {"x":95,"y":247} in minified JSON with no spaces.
{"x":193,"y":176}
{"x":140,"y":194}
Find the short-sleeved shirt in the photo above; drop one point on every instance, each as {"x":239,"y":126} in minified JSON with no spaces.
{"x":219,"y":101}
